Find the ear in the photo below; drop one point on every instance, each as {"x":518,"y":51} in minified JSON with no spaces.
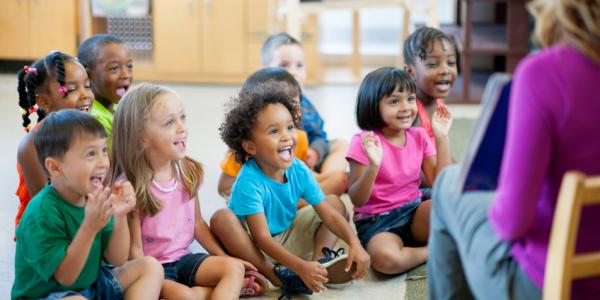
{"x":53,"y":166}
{"x":43,"y":101}
{"x":249,"y":147}
{"x":410,"y":69}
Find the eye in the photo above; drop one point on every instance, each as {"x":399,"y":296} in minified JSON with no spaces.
{"x":169,"y":122}
{"x":291,"y":127}
{"x":114,"y":69}
{"x":274,"y":131}
{"x":91,"y":154}
{"x":284,"y":65}
{"x":394,"y":101}
{"x":130,"y":66}
{"x":452,"y":63}
{"x":87,"y":85}
{"x":183,"y":117}
{"x":105,"y":150}
{"x":431,"y":65}
{"x":300,"y":65}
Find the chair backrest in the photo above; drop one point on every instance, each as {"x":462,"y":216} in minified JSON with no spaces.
{"x":563,"y":265}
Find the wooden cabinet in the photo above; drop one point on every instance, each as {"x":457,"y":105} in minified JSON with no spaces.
{"x":208,"y":41}
{"x":30,"y":29}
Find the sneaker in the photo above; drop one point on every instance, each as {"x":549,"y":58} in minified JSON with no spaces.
{"x":335,"y":263}
{"x":291,"y":283}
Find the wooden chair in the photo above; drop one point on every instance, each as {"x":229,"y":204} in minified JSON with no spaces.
{"x":563,"y":265}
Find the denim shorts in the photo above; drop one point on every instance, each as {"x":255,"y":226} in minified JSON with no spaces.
{"x":106,"y":287}
{"x":397,"y":221}
{"x":184,"y":270}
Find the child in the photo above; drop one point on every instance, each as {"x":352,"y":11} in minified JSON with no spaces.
{"x":260,"y":130}
{"x":150,"y":140}
{"x":110,"y":68}
{"x":386,"y":159}
{"x":333,"y":182}
{"x":52,"y":83}
{"x":431,"y":60}
{"x":74,"y":222}
{"x":282,"y":50}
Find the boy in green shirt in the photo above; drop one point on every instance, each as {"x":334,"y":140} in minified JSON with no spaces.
{"x":74,"y":223}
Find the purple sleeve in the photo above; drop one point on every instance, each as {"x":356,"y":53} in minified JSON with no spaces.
{"x":356,"y":151}
{"x":527,"y":152}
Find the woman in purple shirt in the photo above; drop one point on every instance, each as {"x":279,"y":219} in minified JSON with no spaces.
{"x":493,"y":245}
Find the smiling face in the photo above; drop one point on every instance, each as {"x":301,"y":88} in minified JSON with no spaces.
{"x":398,"y":110}
{"x":273,"y":139}
{"x":111,"y":73}
{"x":291,"y":58}
{"x":436,"y":74}
{"x":79,"y":94}
{"x":165,"y":133}
{"x":82,"y":169}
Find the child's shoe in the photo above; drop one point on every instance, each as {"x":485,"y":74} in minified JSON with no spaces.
{"x":335,"y":263}
{"x":291,"y":283}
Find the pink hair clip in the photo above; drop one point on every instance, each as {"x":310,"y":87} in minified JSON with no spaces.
{"x":62,"y":89}
{"x":32,"y":110}
{"x":28,"y":69}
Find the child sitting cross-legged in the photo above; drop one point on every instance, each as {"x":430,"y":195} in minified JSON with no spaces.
{"x":261,"y":224}
{"x":74,"y":223}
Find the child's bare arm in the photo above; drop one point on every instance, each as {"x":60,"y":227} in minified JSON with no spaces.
{"x":362,"y":177}
{"x":225,"y":184}
{"x":204,"y":236}
{"x":123,"y":201}
{"x":98,"y":212}
{"x":32,"y":170}
{"x":136,"y":249}
{"x":440,"y":123}
{"x":312,"y":274}
{"x":340,"y":227}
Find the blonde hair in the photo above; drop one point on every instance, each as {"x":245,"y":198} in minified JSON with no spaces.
{"x":574,"y":21}
{"x":130,"y":159}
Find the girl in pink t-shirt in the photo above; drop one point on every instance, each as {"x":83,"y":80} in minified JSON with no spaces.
{"x":149,"y":145}
{"x":386,"y":160}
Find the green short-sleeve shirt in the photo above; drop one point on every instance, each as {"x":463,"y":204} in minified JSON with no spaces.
{"x":105,"y":117}
{"x":48,"y":226}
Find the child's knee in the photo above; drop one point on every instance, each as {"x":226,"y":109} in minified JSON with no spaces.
{"x":234,"y":268}
{"x":221,"y":217}
{"x":383,"y":260}
{"x":152,"y":266}
{"x":338,"y":205}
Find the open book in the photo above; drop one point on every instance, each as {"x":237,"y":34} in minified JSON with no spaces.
{"x":483,"y":156}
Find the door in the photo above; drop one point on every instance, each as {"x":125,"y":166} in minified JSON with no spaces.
{"x":14,"y":29}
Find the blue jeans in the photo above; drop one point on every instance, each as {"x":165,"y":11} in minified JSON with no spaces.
{"x":184,"y":270}
{"x":397,"y":221}
{"x":467,"y":260}
{"x":106,"y":287}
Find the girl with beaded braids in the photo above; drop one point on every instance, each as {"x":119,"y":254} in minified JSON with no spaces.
{"x":55,"y":82}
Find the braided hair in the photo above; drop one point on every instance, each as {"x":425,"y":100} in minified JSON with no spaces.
{"x":33,"y":79}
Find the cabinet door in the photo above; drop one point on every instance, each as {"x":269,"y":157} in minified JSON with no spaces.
{"x":53,"y":27}
{"x":14,"y":29}
{"x":223,"y":37}
{"x":177,"y":35}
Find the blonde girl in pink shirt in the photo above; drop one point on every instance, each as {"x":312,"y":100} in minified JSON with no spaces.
{"x":386,"y":159}
{"x":149,"y":145}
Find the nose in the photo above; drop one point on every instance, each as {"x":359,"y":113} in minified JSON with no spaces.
{"x":125,"y":72}
{"x":444,"y":69}
{"x":180,"y":126}
{"x":103,"y":161}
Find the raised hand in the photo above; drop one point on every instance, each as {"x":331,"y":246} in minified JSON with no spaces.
{"x":372,"y":146}
{"x":98,"y":209}
{"x":124,"y":198}
{"x":441,"y":121}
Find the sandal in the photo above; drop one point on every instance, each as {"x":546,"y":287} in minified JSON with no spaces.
{"x":254,"y":277}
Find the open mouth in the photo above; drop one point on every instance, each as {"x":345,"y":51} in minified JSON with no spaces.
{"x":181,"y":145}
{"x":443,"y":85}
{"x":96,"y":180}
{"x":84,"y":108}
{"x":122,"y":90}
{"x":407,"y":118}
{"x":285,"y":153}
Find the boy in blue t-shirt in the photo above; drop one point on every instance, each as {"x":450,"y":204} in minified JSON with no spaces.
{"x":74,"y":223}
{"x":260,"y":131}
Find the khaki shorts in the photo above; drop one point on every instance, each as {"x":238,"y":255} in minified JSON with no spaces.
{"x":299,"y":239}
